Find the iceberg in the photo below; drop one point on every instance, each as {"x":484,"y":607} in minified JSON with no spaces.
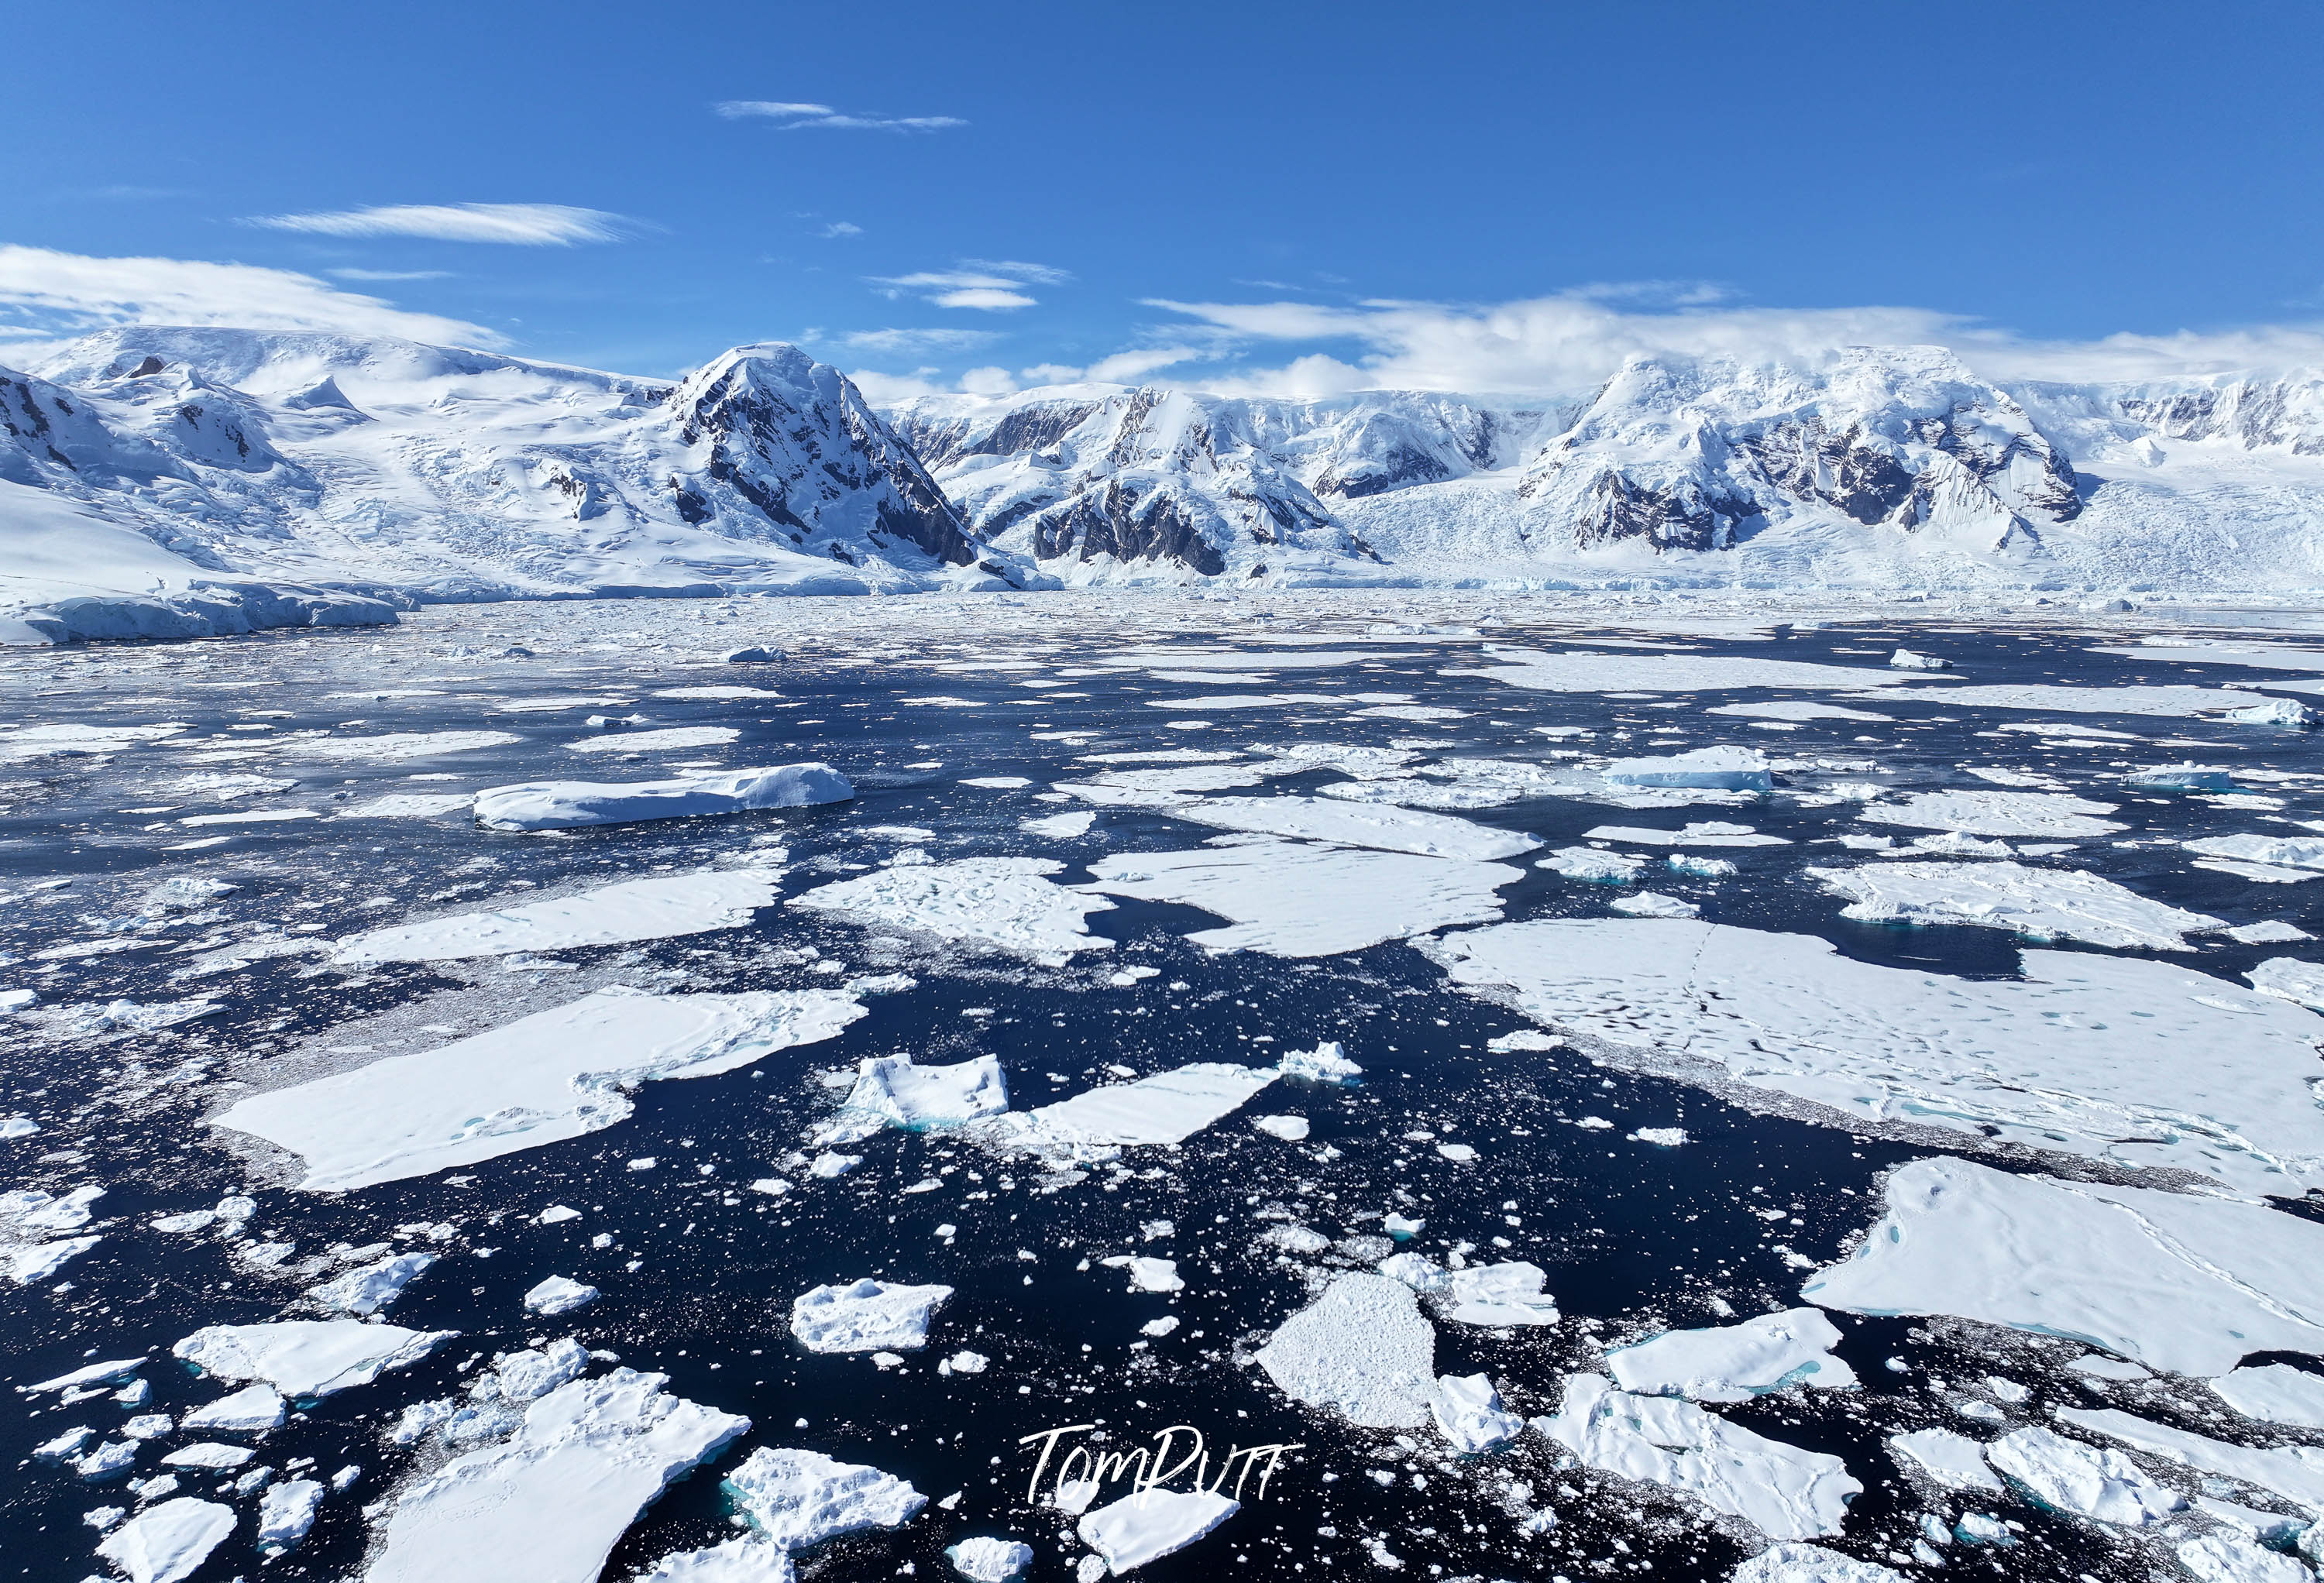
{"x":1327,"y":1062}
{"x":866,"y":1316}
{"x":253,"y":1410}
{"x":657,"y":909}
{"x":1741,"y":770}
{"x":794,"y":1499}
{"x":558,"y":1295}
{"x":554,"y":1075}
{"x":2296,"y":1473}
{"x":986,"y":1559}
{"x":893,"y":1090}
{"x":1734,"y":1363}
{"x":1501,"y":1294}
{"x":567,"y":805}
{"x":1001,"y":904}
{"x":374,"y":1287}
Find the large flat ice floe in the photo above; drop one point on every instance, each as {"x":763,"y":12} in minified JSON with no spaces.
{"x":1734,"y":1363}
{"x":2055,"y":814}
{"x":167,"y":1541}
{"x":555,"y":1074}
{"x":307,"y":1357}
{"x":1291,"y":898}
{"x":2088,"y":1481}
{"x":2162,"y":702}
{"x":1152,"y":1524}
{"x":1002,"y":904}
{"x":2275,"y":1393}
{"x":2086,"y":1054}
{"x":1583,"y":671}
{"x":1343,"y":824}
{"x":2041,"y":904}
{"x":1781,"y":1490}
{"x":567,"y":805}
{"x":2177,"y":1282}
{"x":1809,"y":1563}
{"x":1168,"y":1107}
{"x":1363,"y":1350}
{"x":657,"y":909}
{"x":548,"y":1504}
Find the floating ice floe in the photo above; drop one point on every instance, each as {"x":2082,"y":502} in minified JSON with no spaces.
{"x":372,"y":1288}
{"x":1152,"y":1524}
{"x":656,"y":742}
{"x":1340,"y":823}
{"x":1003,"y":904}
{"x":2296,"y":1473}
{"x":1291,"y":898}
{"x":32,"y":1263}
{"x":1148,"y":1275}
{"x":210,"y":1456}
{"x":410,"y":805}
{"x":167,"y":1541}
{"x":1999,"y":812}
{"x":2084,"y":1480}
{"x":2086,"y":1054}
{"x":2275,"y":1393}
{"x":892,"y":1091}
{"x":1741,"y":770}
{"x":1734,"y":1363}
{"x":794,"y":1499}
{"x":1327,"y":1062}
{"x":111,"y":1371}
{"x":559,"y":1294}
{"x":2274,"y":711}
{"x":657,"y":909}
{"x":548,"y":1504}
{"x":1796,"y":710}
{"x":2224,"y":1557}
{"x":553,"y":1075}
{"x":1501,"y":1294}
{"x":307,"y":1357}
{"x":1059,"y":826}
{"x":397,"y":746}
{"x":1592,"y":866}
{"x":253,"y":1410}
{"x":2041,"y":904}
{"x":747,"y":1560}
{"x":1653,"y":903}
{"x":2283,"y":851}
{"x":1161,"y":787}
{"x":1783,"y":1490}
{"x":2162,"y":702}
{"x":19,"y":743}
{"x":1289,"y":1128}
{"x":1710,"y":832}
{"x":1953,"y":1462}
{"x":1906,"y":659}
{"x":1168,"y":1107}
{"x":987,"y":1559}
{"x":2184,"y":1283}
{"x":866,"y":1316}
{"x":2187,"y":776}
{"x":285,"y":1513}
{"x":1580,"y":671}
{"x":1809,"y":1563}
{"x":1470,"y":1414}
{"x":566,"y":805}
{"x":1364,"y":1349}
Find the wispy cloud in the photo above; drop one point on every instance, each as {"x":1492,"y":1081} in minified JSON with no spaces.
{"x":1122,"y":368}
{"x":524,"y":224}
{"x":46,"y":292}
{"x":354,"y":274}
{"x":790,"y":116}
{"x":841,"y":228}
{"x":919,"y":343}
{"x":994,"y":285}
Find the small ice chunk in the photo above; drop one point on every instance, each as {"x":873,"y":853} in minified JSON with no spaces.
{"x":1653,"y":903}
{"x":1905,"y":659}
{"x":169,"y":1542}
{"x":1152,"y":1524}
{"x":1954,"y":1461}
{"x":1700,"y":868}
{"x":2186,"y":776}
{"x":559,"y":1294}
{"x":866,"y":1316}
{"x":1469,"y":1413}
{"x":108,"y":1458}
{"x":2274,"y":711}
{"x":795,"y":1499}
{"x":1362,"y":1350}
{"x":1501,"y":1294}
{"x":966,"y":1362}
{"x":1734,"y":1363}
{"x":252,"y":1409}
{"x":2267,"y":931}
{"x":747,"y":1559}
{"x":896,"y":1091}
{"x":1289,"y":1128}
{"x":373,"y":1288}
{"x":286,"y":1512}
{"x":556,"y":1215}
{"x":1327,"y":1062}
{"x":2088,"y":1481}
{"x":1159,"y":1327}
{"x":65,"y":1446}
{"x":985,"y":1560}
{"x":1417,"y":1271}
{"x":1148,"y":1275}
{"x":1592,"y":866}
{"x":1662,"y":1137}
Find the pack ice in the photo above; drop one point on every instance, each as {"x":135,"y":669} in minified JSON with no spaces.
{"x":2176,"y":1282}
{"x":555,"y":1074}
{"x":566,"y":805}
{"x":549,"y":1503}
{"x":1340,"y":823}
{"x":2043,"y":903}
{"x":1002,"y":904}
{"x":1734,"y":1363}
{"x":2085,"y":1053}
{"x":1362,"y":1350}
{"x":1999,"y":812}
{"x":657,"y":908}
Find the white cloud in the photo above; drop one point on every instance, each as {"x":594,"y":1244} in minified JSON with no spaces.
{"x":1568,"y":343}
{"x":987,"y":381}
{"x":388,"y":274}
{"x":1018,"y":269}
{"x":525,"y":224}
{"x":994,"y":285}
{"x":1122,"y":368}
{"x":842,"y":228}
{"x":992,"y":299}
{"x":919,"y":343}
{"x":793,"y":117}
{"x":69,"y":293}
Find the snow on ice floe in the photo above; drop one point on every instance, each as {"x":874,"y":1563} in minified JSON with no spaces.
{"x":1152,"y":1524}
{"x":1734,"y":1363}
{"x":548,"y":1504}
{"x":866,"y":1316}
{"x":567,"y":805}
{"x":555,"y":1074}
{"x":1364,"y":1349}
{"x":2087,"y":1481}
{"x":1002,"y":904}
{"x":2283,"y":851}
{"x":1148,"y":1275}
{"x":1592,"y":866}
{"x":285,"y":1513}
{"x":2180,"y":1282}
{"x":1470,"y":1414}
{"x":1743,"y":770}
{"x":167,"y":1541}
{"x":747,"y":1560}
{"x":2296,"y":1473}
{"x":1783,"y":1490}
{"x":1292,"y":899}
{"x":2275,"y":1393}
{"x":1578,"y":671}
{"x":1999,"y":812}
{"x":1168,"y":1107}
{"x":2085,"y":1053}
{"x":1059,"y":826}
{"x":794,"y":1499}
{"x":657,"y":908}
{"x":1953,"y":1461}
{"x":1653,"y":903}
{"x":2041,"y":904}
{"x":656,"y":742}
{"x":1500,"y":1295}
{"x":1340,"y":823}
{"x":307,"y":1357}
{"x":32,"y":1263}
{"x":1809,"y":1563}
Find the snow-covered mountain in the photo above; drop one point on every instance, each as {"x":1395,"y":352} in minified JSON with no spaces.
{"x":337,"y":459}
{"x":156,"y":459}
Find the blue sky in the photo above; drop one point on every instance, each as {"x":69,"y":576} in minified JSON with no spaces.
{"x":1496,"y":197}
